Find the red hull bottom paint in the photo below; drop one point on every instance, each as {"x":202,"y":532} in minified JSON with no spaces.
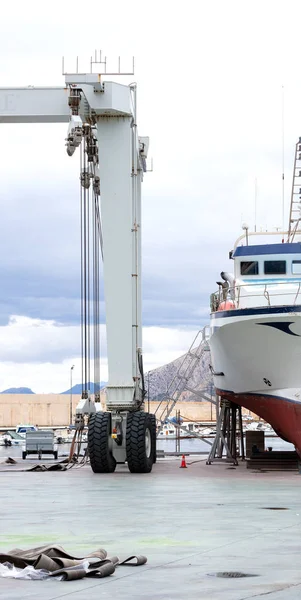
{"x":283,"y":415}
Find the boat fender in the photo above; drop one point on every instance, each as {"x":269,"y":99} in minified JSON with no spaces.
{"x":226,"y":305}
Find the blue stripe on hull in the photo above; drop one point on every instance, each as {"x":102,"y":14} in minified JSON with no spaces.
{"x":254,"y":280}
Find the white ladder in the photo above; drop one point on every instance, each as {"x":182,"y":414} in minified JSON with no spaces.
{"x":184,"y":373}
{"x":295,"y":207}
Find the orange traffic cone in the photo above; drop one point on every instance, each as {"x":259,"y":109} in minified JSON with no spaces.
{"x":183,"y":463}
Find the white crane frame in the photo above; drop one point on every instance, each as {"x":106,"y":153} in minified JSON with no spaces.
{"x":111,"y":107}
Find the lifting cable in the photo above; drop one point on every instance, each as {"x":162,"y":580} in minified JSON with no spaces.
{"x":85,"y":280}
{"x":81,"y":272}
{"x":91,"y":248}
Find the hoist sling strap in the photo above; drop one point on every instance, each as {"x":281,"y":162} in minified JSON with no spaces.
{"x":59,"y":563}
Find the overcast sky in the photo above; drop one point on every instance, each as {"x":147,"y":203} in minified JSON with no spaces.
{"x":210,"y":77}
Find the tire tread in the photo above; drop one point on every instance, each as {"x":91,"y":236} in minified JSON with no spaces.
{"x":137,"y":423}
{"x":101,"y":459}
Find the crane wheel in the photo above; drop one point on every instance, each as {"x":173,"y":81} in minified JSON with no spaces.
{"x":139,"y":442}
{"x":154,"y":437}
{"x":99,"y":436}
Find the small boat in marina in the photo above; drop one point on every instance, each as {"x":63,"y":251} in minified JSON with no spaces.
{"x":169,"y":430}
{"x":11,"y":438}
{"x":22,"y":429}
{"x":16,"y":437}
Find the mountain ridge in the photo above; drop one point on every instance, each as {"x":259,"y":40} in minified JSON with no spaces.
{"x":20,"y":390}
{"x":77,"y":389}
{"x":161,"y":382}
{"x":158,"y":382}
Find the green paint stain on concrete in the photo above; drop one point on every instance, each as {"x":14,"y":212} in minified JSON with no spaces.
{"x":167,"y":542}
{"x":32,"y":539}
{"x":23,"y":537}
{"x":68,"y":543}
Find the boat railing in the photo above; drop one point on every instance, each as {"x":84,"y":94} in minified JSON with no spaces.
{"x":256,"y":294}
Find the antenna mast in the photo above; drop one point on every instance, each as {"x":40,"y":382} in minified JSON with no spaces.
{"x":282,"y":161}
{"x":255,"y":207}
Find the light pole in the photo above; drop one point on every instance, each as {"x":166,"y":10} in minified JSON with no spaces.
{"x":70,"y":407}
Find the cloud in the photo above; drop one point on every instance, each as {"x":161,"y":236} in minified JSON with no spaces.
{"x":163,"y":345}
{"x":212,"y":108}
{"x":39,"y":353}
{"x":36,"y":340}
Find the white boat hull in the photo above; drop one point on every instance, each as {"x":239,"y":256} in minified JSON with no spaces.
{"x":256,"y":352}
{"x":256,"y":362}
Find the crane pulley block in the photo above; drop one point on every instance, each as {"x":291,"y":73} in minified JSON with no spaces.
{"x":92,"y":149}
{"x":85,"y":179}
{"x":74,"y":134}
{"x":74,"y":100}
{"x":96,"y":185}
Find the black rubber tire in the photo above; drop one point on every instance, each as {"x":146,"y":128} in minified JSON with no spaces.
{"x":99,"y":432}
{"x":55,"y":455}
{"x":154,"y":437}
{"x":136,"y":426}
{"x":23,"y":455}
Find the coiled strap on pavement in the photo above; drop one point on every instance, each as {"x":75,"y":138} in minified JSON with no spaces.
{"x":57,"y":562}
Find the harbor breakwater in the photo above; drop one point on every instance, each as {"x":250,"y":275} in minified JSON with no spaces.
{"x":53,"y":410}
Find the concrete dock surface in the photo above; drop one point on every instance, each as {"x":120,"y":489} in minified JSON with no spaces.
{"x":190,"y":523}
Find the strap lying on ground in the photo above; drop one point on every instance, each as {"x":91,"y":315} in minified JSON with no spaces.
{"x":62,"y":465}
{"x":55,"y":467}
{"x":59,"y":563}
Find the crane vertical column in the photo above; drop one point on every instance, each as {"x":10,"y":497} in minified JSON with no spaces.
{"x":118,"y":221}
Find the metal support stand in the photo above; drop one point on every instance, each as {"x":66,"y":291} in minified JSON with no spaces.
{"x":178,"y":431}
{"x":228,"y":434}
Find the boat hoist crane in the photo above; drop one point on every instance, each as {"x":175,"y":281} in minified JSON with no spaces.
{"x":102,"y":124}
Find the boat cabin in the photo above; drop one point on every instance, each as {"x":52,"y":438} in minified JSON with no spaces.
{"x":267,"y":262}
{"x":264,"y":275}
{"x":267,"y":275}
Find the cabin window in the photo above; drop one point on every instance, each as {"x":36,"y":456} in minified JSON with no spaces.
{"x":249,"y":267}
{"x":275,"y":267}
{"x":296,"y":267}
